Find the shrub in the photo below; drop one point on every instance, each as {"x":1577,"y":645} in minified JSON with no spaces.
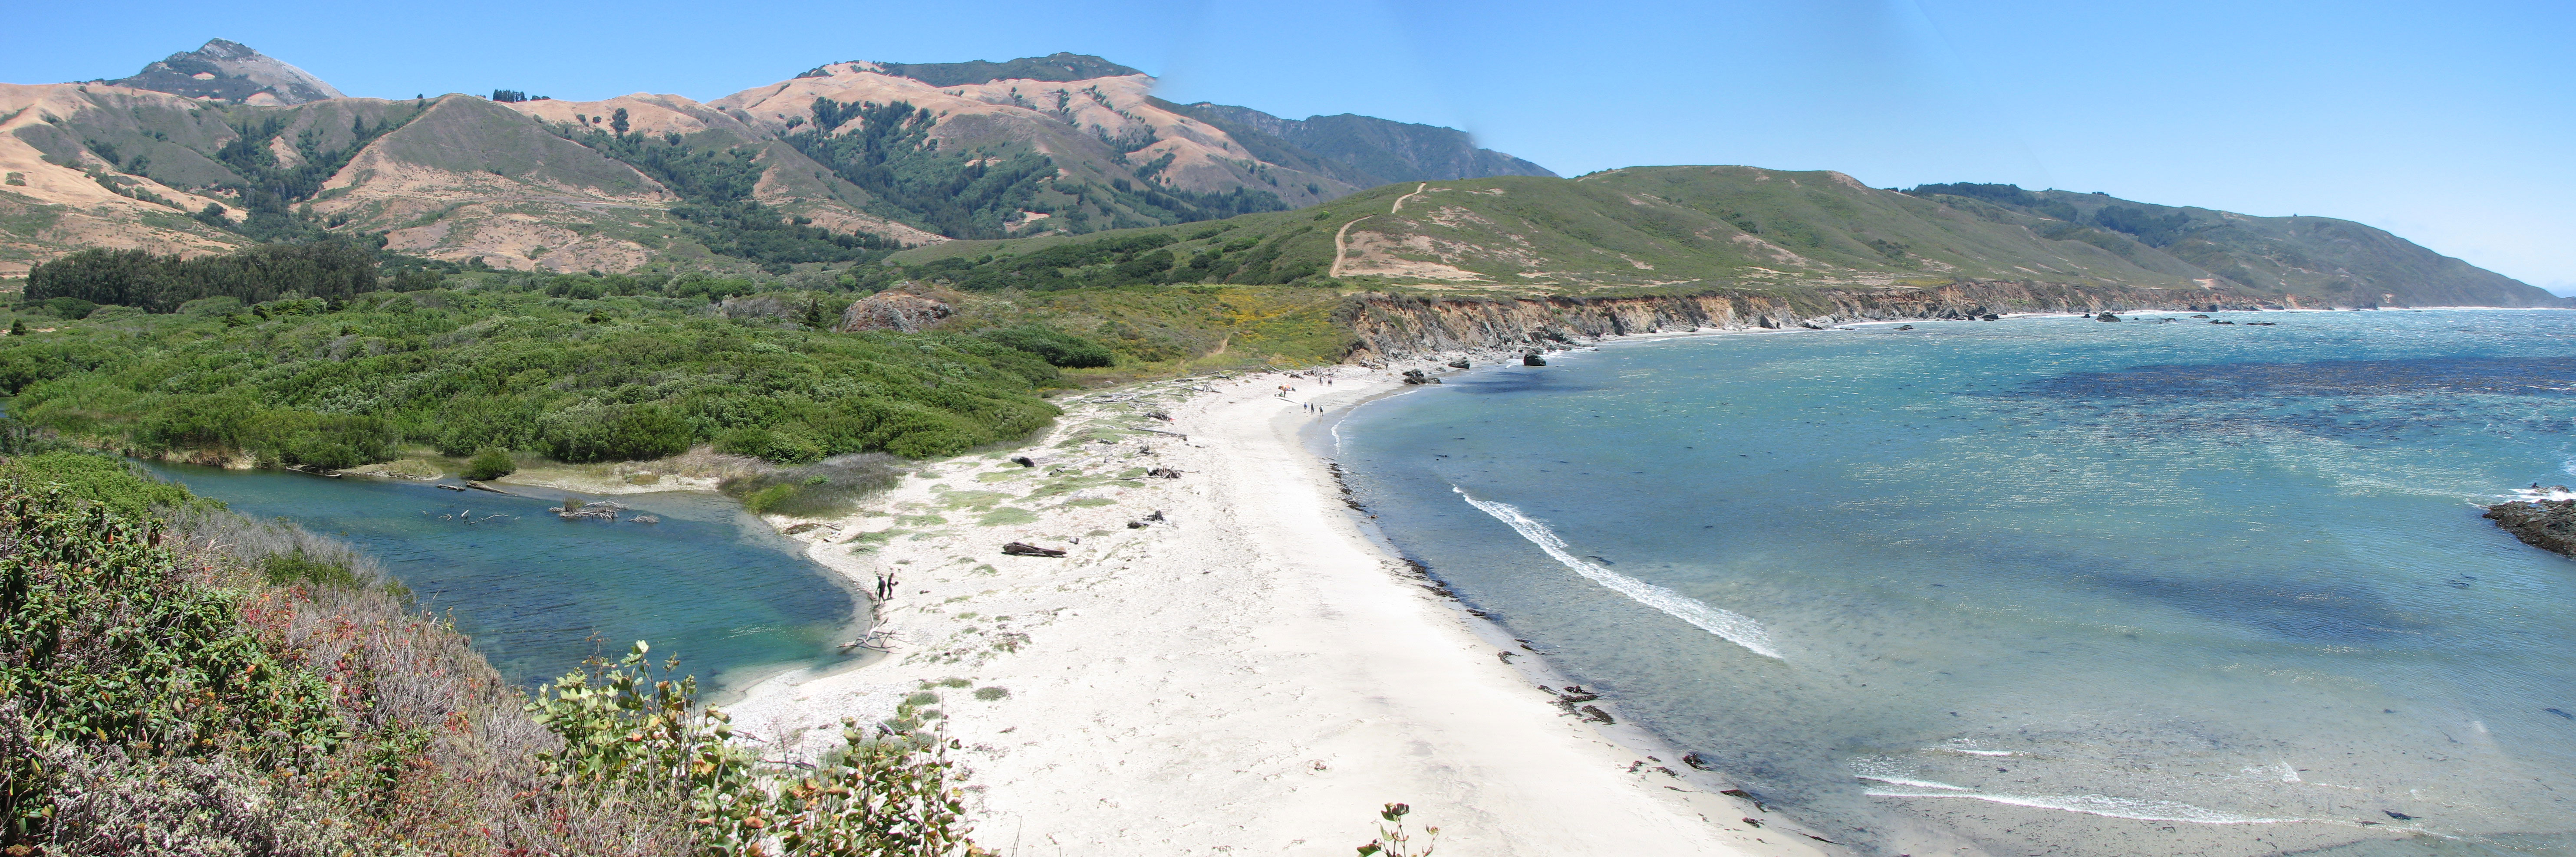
{"x":122,"y":486}
{"x":108,"y":641}
{"x":195,"y":422}
{"x":1057,"y":347}
{"x":214,"y":307}
{"x":66,"y":308}
{"x":594,"y":432}
{"x":297,"y":567}
{"x":780,"y":447}
{"x":490,"y":464}
{"x":814,"y":490}
{"x":888,"y":793}
{"x":991,"y":694}
{"x":331,"y":441}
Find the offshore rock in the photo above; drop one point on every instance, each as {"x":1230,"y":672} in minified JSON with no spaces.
{"x":1532,"y":359}
{"x":895,"y":311}
{"x":2549,"y":525}
{"x":2106,"y":317}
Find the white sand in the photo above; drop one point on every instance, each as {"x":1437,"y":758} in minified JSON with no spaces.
{"x":1256,"y":675}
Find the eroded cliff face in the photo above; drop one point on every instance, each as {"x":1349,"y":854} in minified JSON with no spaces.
{"x":1390,"y":326}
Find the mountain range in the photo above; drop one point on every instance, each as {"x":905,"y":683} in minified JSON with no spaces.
{"x":222,"y":147}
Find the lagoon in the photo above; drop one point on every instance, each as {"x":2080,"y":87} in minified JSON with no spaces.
{"x":710,"y":583}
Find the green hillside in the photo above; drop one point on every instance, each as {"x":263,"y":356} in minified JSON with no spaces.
{"x":2322,"y":257}
{"x":1697,"y":228}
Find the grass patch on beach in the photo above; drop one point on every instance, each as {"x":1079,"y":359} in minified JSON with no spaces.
{"x":977,"y":500}
{"x":821,"y":489}
{"x":1008,"y":516}
{"x":1090,"y":502}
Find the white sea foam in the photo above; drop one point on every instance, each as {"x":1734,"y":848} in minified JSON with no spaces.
{"x":2102,"y":805}
{"x":1735,"y":627}
{"x":1977,"y":752}
{"x":1901,"y":781}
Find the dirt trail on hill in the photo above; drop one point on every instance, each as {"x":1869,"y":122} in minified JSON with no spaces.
{"x":1341,"y":249}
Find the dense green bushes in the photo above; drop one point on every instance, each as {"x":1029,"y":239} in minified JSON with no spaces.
{"x":106,"y":641}
{"x":490,"y":464}
{"x":1057,"y":347}
{"x":614,"y":379}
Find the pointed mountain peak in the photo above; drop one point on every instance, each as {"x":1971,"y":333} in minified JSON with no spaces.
{"x":226,"y":70}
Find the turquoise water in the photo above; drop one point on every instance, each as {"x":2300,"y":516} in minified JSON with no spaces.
{"x":710,"y":583}
{"x":2042,"y":585}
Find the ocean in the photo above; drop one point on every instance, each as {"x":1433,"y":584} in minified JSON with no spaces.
{"x":2041,"y":585}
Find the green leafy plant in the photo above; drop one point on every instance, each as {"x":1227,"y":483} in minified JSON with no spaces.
{"x":1392,"y":840}
{"x":891,"y":792}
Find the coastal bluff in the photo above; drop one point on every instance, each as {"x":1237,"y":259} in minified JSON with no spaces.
{"x":1397,"y":325}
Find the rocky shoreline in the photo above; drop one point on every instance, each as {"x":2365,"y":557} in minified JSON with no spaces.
{"x":2549,"y":525}
{"x":1386,"y":326}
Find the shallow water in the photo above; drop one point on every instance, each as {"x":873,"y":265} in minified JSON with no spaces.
{"x":710,"y":583}
{"x":2042,"y":585}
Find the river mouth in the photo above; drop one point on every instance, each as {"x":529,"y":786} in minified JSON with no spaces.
{"x":709,"y":582}
{"x":2047,"y":586}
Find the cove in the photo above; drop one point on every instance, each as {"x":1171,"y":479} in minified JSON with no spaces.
{"x":710,"y":583}
{"x":2044,"y":585}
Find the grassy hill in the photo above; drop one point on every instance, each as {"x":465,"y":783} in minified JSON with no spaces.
{"x":1679,"y":229}
{"x":2315,"y":257}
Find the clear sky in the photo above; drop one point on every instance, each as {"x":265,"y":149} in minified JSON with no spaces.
{"x":2452,"y":124}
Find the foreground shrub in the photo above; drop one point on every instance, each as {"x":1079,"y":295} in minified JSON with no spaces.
{"x":627,"y":732}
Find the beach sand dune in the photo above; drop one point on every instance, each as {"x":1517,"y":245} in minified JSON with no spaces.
{"x":1251,"y":674}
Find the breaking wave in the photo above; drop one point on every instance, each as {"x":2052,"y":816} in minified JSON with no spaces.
{"x":2102,"y":805}
{"x":1735,"y":627}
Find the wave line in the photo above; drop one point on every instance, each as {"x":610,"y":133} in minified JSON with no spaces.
{"x":2101,"y":805}
{"x":1735,"y":627}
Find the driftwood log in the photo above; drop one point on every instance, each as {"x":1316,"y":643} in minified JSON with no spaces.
{"x":1026,"y":549}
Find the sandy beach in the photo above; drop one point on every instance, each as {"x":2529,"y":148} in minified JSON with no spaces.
{"x":1251,"y":673}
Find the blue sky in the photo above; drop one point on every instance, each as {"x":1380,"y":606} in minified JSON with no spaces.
{"x":2451,"y":124}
